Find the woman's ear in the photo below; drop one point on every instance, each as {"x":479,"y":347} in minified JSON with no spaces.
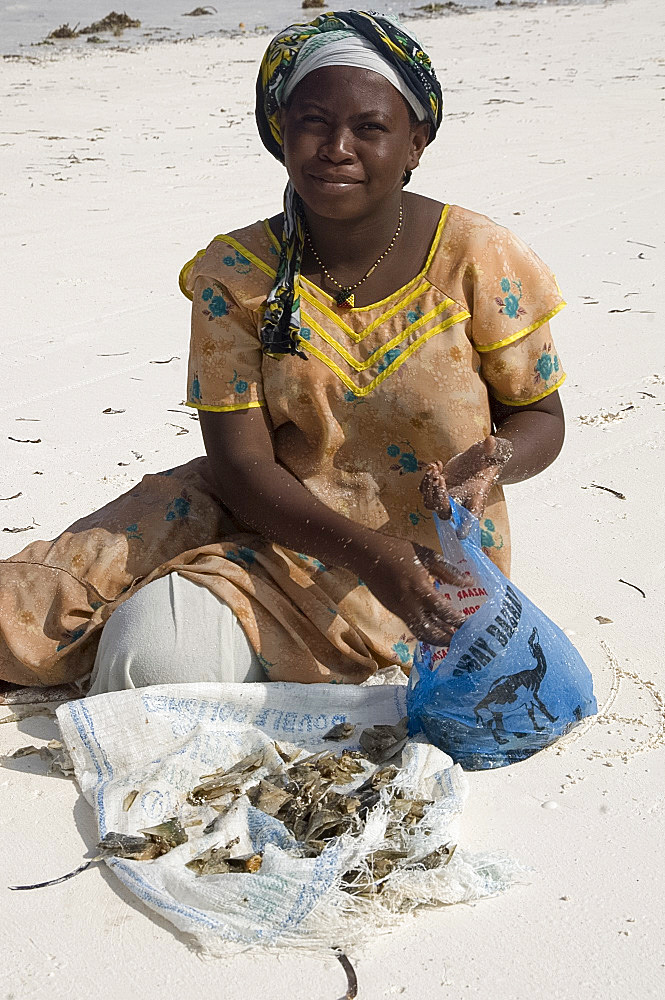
{"x":419,"y":139}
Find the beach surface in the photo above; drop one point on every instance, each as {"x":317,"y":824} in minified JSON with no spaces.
{"x":117,"y":168}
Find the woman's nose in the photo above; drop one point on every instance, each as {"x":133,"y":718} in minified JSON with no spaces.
{"x":338,"y":146}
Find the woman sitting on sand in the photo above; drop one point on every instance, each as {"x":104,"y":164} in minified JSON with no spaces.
{"x":337,"y":351}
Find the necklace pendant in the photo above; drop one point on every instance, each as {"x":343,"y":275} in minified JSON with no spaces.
{"x":345,"y":299}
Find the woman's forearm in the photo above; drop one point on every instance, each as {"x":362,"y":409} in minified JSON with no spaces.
{"x":536,"y":435}
{"x":267,"y":498}
{"x":272,"y":502}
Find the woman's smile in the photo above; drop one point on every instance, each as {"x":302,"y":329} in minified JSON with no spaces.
{"x":335,"y":183}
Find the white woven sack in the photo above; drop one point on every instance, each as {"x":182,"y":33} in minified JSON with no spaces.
{"x":160,"y":740}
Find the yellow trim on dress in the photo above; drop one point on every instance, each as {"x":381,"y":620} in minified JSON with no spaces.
{"x":382,"y":302}
{"x":534,"y":399}
{"x":394,"y":365}
{"x":184,"y":275}
{"x":232,"y":242}
{"x":371,"y":327}
{"x":227,"y":409}
{"x":326,"y":310}
{"x":483,"y":348}
{"x":361,"y":366}
{"x":262,"y":266}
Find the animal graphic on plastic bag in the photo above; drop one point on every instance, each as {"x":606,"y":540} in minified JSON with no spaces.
{"x":510,"y":683}
{"x":524,"y":685}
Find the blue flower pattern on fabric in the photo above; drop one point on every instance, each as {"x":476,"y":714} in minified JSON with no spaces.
{"x":244,"y":556}
{"x":239,"y":384}
{"x":71,"y":637}
{"x":406,"y":459}
{"x":314,"y":562}
{"x":401,"y":651}
{"x":414,"y":315}
{"x":178,"y":509}
{"x":548,"y":364}
{"x":350,"y":397}
{"x":388,"y":358}
{"x":217,"y":304}
{"x":266,"y":664}
{"x":132,"y":531}
{"x":416,"y":516}
{"x":489,"y":539}
{"x":305,"y":333}
{"x":510,"y":304}
{"x":196,"y":389}
{"x":239,"y":263}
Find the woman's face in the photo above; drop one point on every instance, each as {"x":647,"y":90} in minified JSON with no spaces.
{"x":347,"y":139}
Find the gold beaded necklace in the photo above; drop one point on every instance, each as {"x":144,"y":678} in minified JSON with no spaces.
{"x":345,"y":298}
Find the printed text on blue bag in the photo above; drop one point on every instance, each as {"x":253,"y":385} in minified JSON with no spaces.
{"x":500,"y":630}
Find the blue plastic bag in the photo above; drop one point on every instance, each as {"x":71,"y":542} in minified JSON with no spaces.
{"x":510,"y":683}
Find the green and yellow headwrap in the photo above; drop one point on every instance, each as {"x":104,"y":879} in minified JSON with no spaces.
{"x":403,"y":53}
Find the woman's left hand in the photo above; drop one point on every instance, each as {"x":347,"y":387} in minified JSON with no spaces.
{"x":467,"y":477}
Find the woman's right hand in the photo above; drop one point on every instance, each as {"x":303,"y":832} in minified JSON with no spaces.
{"x":401,"y":577}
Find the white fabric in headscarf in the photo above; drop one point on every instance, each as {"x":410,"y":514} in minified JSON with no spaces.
{"x":346,"y":48}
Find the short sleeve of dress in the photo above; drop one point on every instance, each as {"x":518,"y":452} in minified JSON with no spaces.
{"x":514,"y":297}
{"x":224,"y":353}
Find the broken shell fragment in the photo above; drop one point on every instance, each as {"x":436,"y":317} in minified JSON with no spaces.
{"x":169,"y":834}
{"x":130,"y":846}
{"x":225,"y":780}
{"x":216,"y":861}
{"x":382,"y":743}
{"x":129,"y":800}
{"x":342,"y":731}
{"x":268,"y":797}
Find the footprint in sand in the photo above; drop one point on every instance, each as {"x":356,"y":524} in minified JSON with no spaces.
{"x":630,"y":719}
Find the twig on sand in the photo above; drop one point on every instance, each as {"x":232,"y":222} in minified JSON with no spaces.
{"x":351,"y":978}
{"x":634,"y":586}
{"x":55,"y":881}
{"x":608,"y":489}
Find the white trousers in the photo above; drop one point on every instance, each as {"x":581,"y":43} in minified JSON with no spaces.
{"x":171,"y":632}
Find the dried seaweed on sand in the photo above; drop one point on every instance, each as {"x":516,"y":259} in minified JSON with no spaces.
{"x":112,"y":22}
{"x":64,"y":31}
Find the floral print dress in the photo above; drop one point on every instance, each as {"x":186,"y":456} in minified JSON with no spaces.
{"x":386,"y":389}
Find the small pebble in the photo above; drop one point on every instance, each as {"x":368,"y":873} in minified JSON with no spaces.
{"x":549,"y":805}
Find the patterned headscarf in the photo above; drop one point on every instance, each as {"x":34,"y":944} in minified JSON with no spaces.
{"x":280,"y":333}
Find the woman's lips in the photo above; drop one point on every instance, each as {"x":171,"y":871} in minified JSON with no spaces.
{"x":334,"y":183}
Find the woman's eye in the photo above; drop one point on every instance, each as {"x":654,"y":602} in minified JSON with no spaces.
{"x":372,"y":126}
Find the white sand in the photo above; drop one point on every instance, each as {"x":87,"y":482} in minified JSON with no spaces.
{"x":117,"y":167}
